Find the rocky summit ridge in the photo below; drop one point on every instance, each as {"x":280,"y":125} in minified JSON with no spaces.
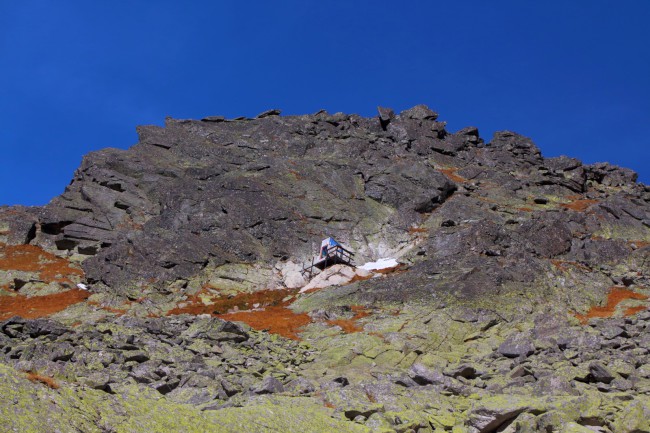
{"x":162,"y":291}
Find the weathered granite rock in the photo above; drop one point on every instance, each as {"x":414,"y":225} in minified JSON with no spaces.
{"x":517,"y":346}
{"x":270,"y":385}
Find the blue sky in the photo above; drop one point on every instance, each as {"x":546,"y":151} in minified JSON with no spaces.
{"x":78,"y":76}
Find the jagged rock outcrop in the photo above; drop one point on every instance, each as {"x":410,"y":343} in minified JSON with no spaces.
{"x":193,"y":196}
{"x":197,"y":195}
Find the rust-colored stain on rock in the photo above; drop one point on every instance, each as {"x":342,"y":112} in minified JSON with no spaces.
{"x":30,"y":258}
{"x":565,"y":265}
{"x":451,"y":174}
{"x":262,"y":310}
{"x":349,"y":326}
{"x":116,"y":311}
{"x":579,"y":205}
{"x":206,"y":303}
{"x":39,"y":306}
{"x":39,"y":378}
{"x":50,"y":269}
{"x":631,"y":311}
{"x":265,"y":310}
{"x":275,"y":319}
{"x":616,"y":296}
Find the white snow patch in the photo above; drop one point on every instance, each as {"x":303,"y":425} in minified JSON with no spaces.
{"x":384,"y":263}
{"x":82,"y":286}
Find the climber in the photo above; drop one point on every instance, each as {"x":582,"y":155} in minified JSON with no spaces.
{"x":326,"y":245}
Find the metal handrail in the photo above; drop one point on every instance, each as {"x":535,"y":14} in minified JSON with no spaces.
{"x":338,"y":251}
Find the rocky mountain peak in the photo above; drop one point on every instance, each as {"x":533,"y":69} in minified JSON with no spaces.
{"x":515,"y":274}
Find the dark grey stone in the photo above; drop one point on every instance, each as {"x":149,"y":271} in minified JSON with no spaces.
{"x":215,"y":119}
{"x":385,"y":114}
{"x":599,"y":373}
{"x":268,"y":113}
{"x":611,"y":331}
{"x":269,"y":385}
{"x":516,"y":346}
{"x":423,"y":375}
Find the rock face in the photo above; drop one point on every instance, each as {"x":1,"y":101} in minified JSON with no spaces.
{"x":195,"y":195}
{"x":519,"y":303}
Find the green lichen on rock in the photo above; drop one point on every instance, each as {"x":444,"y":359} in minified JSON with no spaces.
{"x":31,"y":407}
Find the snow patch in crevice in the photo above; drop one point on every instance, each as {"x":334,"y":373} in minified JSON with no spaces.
{"x":384,"y":263}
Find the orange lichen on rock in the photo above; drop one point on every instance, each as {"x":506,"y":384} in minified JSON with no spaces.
{"x":262,"y":310}
{"x":350,"y":325}
{"x":39,"y":378}
{"x":30,"y":258}
{"x":451,"y":174}
{"x":39,"y":306}
{"x":616,"y":296}
{"x":206,"y":303}
{"x":579,"y":205}
{"x":275,"y":319}
{"x":638,"y":244}
{"x":631,"y":311}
